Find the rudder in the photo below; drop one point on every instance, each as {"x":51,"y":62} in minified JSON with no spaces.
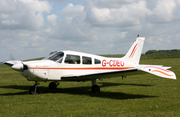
{"x":135,"y":51}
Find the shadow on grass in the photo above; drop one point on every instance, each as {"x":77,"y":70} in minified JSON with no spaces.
{"x":81,"y":91}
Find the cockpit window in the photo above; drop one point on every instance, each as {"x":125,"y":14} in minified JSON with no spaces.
{"x":72,"y":59}
{"x":56,"y":56}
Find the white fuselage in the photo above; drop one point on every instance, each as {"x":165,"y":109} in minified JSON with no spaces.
{"x":48,"y":70}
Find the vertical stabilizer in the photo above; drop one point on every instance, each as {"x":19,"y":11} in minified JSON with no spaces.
{"x":135,"y":51}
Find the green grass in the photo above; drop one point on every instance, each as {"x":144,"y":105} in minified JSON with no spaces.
{"x":140,"y":95}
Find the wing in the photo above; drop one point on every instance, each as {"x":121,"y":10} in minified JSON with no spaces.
{"x":117,"y":73}
{"x":158,"y":70}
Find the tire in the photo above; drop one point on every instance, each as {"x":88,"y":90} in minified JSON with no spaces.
{"x":95,"y":89}
{"x":52,"y":85}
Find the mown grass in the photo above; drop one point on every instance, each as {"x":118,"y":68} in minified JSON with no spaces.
{"x":140,"y":95}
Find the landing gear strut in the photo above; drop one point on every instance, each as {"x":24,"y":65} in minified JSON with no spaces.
{"x":34,"y":89}
{"x":95,"y":88}
{"x":53,"y":85}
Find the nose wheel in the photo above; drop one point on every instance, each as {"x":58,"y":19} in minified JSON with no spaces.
{"x":34,"y":89}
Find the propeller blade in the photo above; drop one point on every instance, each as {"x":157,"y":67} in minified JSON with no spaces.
{"x":13,"y":62}
{"x":11,"y":57}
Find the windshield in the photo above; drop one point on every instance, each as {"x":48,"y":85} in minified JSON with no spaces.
{"x":56,"y":56}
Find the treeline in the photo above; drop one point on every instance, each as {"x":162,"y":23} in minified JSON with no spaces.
{"x":153,"y":54}
{"x":150,"y":54}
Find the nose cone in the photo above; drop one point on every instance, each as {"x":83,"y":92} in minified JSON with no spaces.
{"x":18,"y":67}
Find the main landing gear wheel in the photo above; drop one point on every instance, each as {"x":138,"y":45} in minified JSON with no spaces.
{"x":53,"y":85}
{"x":34,"y":89}
{"x":95,"y":89}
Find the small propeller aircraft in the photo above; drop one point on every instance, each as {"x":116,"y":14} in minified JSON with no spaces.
{"x":77,"y":66}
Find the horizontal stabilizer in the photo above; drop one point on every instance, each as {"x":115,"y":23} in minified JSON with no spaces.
{"x":158,"y":71}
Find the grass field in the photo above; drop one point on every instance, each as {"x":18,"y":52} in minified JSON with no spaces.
{"x":140,"y":95}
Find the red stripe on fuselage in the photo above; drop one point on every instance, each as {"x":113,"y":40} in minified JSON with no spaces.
{"x":85,"y":68}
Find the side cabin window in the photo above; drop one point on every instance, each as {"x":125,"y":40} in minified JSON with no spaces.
{"x":87,"y":60}
{"x":72,"y":59}
{"x":96,"y":61}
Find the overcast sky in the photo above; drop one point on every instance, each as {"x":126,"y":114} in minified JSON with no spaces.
{"x":34,"y":28}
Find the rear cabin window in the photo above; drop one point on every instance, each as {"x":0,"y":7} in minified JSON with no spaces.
{"x":87,"y":60}
{"x":96,"y":61}
{"x":72,"y":59}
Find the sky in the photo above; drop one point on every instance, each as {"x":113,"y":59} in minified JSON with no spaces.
{"x":35,"y":28}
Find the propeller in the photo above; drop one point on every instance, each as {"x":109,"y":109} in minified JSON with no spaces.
{"x":16,"y":64}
